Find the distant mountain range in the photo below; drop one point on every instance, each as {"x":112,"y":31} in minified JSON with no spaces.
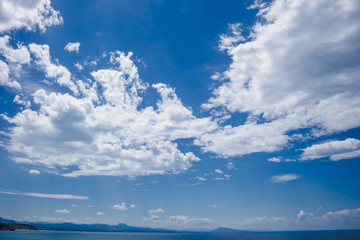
{"x":121,"y":227}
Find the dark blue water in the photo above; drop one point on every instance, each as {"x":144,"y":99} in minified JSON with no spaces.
{"x":59,"y":235}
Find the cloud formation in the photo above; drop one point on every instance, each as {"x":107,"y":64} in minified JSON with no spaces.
{"x":33,"y":171}
{"x":336,"y":150}
{"x":14,"y":58}
{"x":342,"y":219}
{"x":100,"y":129}
{"x":46,"y":195}
{"x":290,"y":73}
{"x":286,"y":76}
{"x":72,"y":47}
{"x":121,"y":207}
{"x":28,"y":14}
{"x":156,"y":211}
{"x":62,"y":211}
{"x":43,"y":60}
{"x":284,"y":178}
{"x":275,"y":159}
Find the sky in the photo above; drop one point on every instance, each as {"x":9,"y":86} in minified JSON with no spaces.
{"x":181,"y":114}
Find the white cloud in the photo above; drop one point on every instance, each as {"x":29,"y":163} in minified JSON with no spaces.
{"x":151,"y":218}
{"x":132,"y":206}
{"x":264,"y":223}
{"x":343,"y":219}
{"x":228,"y":42}
{"x":302,"y":214}
{"x":183,"y":221}
{"x":244,"y":139}
{"x":20,"y":55}
{"x":33,"y":171}
{"x":298,"y":69}
{"x":275,"y":159}
{"x":230,"y":166}
{"x":156,"y":211}
{"x":102,"y":131}
{"x":121,"y":207}
{"x":79,"y":66}
{"x":27,"y":14}
{"x":59,"y":72}
{"x":72,"y":47}
{"x":100,"y":214}
{"x":62,"y":211}
{"x":14,"y":58}
{"x":19,"y":100}
{"x":46,"y":195}
{"x":284,"y":178}
{"x":179,"y":222}
{"x":336,"y":150}
{"x":5,"y":80}
{"x":345,"y":214}
{"x":218,"y":171}
{"x":200,"y":178}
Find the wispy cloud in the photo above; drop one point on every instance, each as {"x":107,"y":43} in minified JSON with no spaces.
{"x":159,"y":210}
{"x":230,"y":166}
{"x":32,"y":171}
{"x":284,"y":178}
{"x":275,"y":159}
{"x":47,"y":195}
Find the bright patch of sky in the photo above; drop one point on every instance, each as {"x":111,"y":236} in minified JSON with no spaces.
{"x":149,"y":112}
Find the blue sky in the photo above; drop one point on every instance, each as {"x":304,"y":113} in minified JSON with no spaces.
{"x":181,"y":114}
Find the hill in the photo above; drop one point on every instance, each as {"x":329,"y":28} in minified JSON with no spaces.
{"x":16,"y":227}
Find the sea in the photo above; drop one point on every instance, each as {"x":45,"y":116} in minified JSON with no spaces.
{"x":64,"y":235}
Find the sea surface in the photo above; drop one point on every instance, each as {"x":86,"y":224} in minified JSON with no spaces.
{"x":62,"y":235}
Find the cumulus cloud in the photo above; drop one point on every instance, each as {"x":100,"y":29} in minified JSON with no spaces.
{"x":290,"y":73}
{"x":46,"y":195}
{"x":336,"y":150}
{"x":4,"y":76}
{"x":72,"y":47}
{"x":100,"y":214}
{"x":79,"y":66}
{"x":14,"y":58}
{"x":302,"y":214}
{"x":218,"y":171}
{"x":28,"y":14}
{"x":284,"y":178}
{"x":20,"y":55}
{"x":121,"y":207}
{"x":62,"y":211}
{"x":19,"y":100}
{"x":55,"y":71}
{"x":102,"y":130}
